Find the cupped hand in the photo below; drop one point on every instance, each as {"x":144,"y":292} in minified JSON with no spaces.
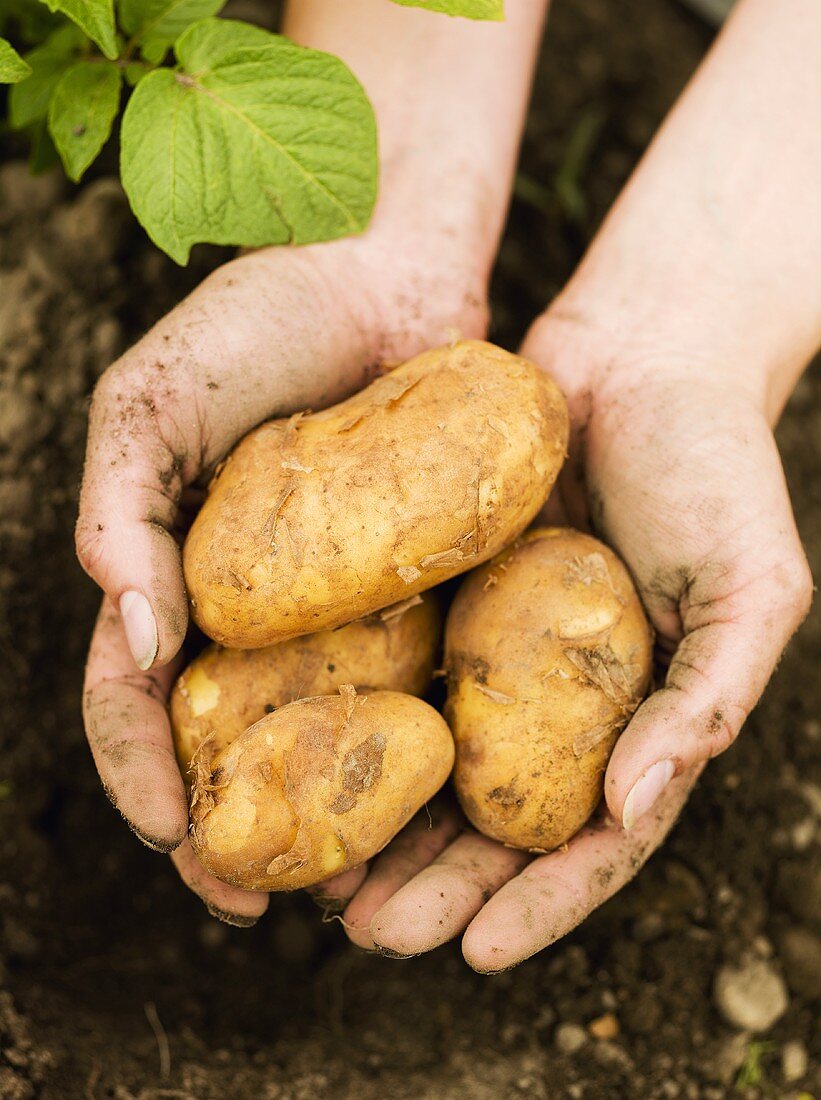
{"x":676,"y":467}
{"x":268,"y":334}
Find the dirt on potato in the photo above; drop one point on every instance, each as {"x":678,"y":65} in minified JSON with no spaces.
{"x":114,"y":981}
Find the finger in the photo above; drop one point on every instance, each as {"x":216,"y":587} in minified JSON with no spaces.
{"x":556,"y":892}
{"x":735,"y":628}
{"x":242,"y":348}
{"x":333,"y":894}
{"x":241,"y":908}
{"x":140,"y":451}
{"x":439,"y":902}
{"x":130,"y":738}
{"x":412,"y":850}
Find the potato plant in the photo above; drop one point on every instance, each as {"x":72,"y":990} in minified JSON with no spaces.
{"x":229,"y":134}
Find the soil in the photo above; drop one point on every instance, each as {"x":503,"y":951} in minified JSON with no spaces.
{"x":114,"y":982}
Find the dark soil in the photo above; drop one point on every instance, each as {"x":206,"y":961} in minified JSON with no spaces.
{"x":114,"y":982}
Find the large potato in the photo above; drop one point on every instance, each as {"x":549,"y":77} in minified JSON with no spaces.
{"x":224,"y":691}
{"x":323,"y":518}
{"x":548,"y":653}
{"x":317,"y":787}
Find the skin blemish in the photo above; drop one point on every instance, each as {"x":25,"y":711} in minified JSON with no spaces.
{"x":362,"y":766}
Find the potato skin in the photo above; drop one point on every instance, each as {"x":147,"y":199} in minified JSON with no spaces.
{"x":548,"y":653}
{"x":320,"y":519}
{"x":317,"y":788}
{"x":224,"y":691}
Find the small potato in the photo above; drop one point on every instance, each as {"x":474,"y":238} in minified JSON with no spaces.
{"x":548,"y":653}
{"x":317,"y":788}
{"x":324,"y":518}
{"x":224,"y":691}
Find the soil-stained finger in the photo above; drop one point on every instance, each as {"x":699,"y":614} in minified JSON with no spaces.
{"x":334,"y":893}
{"x":430,"y":832}
{"x":127,"y":726}
{"x":555,"y":892}
{"x":242,"y":908}
{"x":441,"y":900}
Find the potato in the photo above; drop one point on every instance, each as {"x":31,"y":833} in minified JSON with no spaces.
{"x":224,"y":691}
{"x":323,"y":518}
{"x":317,"y":787}
{"x":548,"y":653}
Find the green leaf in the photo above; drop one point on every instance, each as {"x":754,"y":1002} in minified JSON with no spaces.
{"x":94,"y":17}
{"x":13,"y":68}
{"x":493,"y":10}
{"x":256,"y":141}
{"x":134,"y":73}
{"x":43,"y":154}
{"x":157,"y":24}
{"x":29,"y":100}
{"x":82,"y":112}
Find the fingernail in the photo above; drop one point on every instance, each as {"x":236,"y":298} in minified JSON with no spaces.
{"x":237,"y":920}
{"x":328,"y":904}
{"x":140,"y":628}
{"x":389,"y":953}
{"x":646,"y":791}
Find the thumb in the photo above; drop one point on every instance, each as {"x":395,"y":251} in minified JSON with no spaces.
{"x":730,"y":647}
{"x":140,"y":450}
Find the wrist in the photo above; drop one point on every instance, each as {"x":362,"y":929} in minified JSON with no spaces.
{"x":606,"y":337}
{"x":402,"y":290}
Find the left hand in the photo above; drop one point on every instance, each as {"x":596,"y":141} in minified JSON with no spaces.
{"x":677,"y":468}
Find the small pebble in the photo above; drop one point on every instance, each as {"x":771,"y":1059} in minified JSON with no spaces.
{"x":751,"y":996}
{"x":604,"y":1027}
{"x":794,"y":1060}
{"x":569,"y":1038}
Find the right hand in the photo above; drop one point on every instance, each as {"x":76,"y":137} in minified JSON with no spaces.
{"x":269,"y":334}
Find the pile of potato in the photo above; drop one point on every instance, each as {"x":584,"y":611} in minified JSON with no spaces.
{"x":314,"y":565}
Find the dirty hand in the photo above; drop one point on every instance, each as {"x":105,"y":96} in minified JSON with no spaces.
{"x":677,"y":344}
{"x":265,"y":335}
{"x":679,"y":472}
{"x":282,"y":330}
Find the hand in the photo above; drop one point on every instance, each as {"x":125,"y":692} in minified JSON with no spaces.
{"x":677,"y":342}
{"x":678,"y":470}
{"x":266,"y":335}
{"x":283,"y":330}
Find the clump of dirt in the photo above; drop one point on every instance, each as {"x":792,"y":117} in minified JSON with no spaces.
{"x":114,"y":982}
